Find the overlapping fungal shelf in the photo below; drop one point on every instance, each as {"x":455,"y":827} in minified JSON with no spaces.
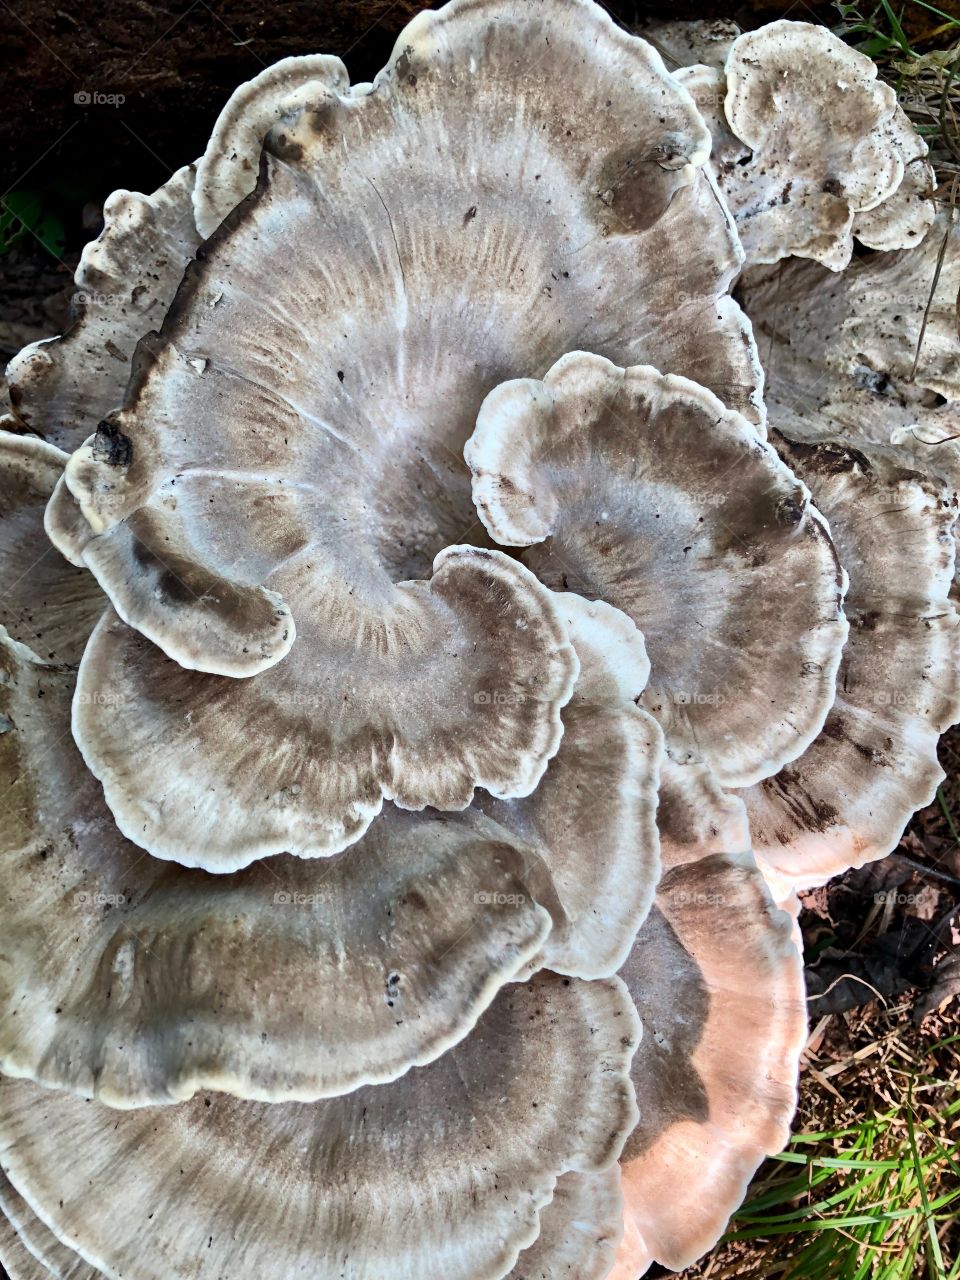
{"x":492,"y":543}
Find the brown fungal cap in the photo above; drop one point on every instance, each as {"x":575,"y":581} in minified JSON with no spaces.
{"x":227,"y":171}
{"x":868,"y":358}
{"x":771,"y":184}
{"x":462,"y":688}
{"x":327,"y":975}
{"x":61,"y":388}
{"x":641,"y":490}
{"x":902,"y":219}
{"x":825,"y":144}
{"x":470,"y":1147}
{"x":847,"y":799}
{"x":405,"y":493}
{"x":64,"y":524}
{"x":420,"y":922}
{"x":17,"y":1261}
{"x":29,"y":1250}
{"x":696,"y":817}
{"x":684,"y":43}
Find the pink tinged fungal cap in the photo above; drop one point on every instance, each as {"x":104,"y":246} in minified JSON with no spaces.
{"x":718,"y":982}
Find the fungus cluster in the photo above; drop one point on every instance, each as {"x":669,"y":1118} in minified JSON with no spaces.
{"x":442,"y":629}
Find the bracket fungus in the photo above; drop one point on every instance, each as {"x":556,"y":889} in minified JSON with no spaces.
{"x":329,"y":975}
{"x":591,"y":821}
{"x":580,"y":1230}
{"x":868,"y":358}
{"x":470,"y":1146}
{"x":700,"y":42}
{"x":642,"y":490}
{"x":718,"y":983}
{"x":902,"y":219}
{"x":863,"y":398}
{"x":809,"y":148}
{"x":447,"y":672}
{"x":405,"y":716}
{"x":29,"y":1250}
{"x":847,"y":799}
{"x":216,"y":544}
{"x":61,"y":388}
{"x":817,"y":122}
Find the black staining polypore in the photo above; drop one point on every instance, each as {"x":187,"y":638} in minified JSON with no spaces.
{"x":111,"y":446}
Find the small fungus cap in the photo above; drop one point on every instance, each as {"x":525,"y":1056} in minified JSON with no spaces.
{"x":809,"y":148}
{"x":62,"y":388}
{"x":640,"y":489}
